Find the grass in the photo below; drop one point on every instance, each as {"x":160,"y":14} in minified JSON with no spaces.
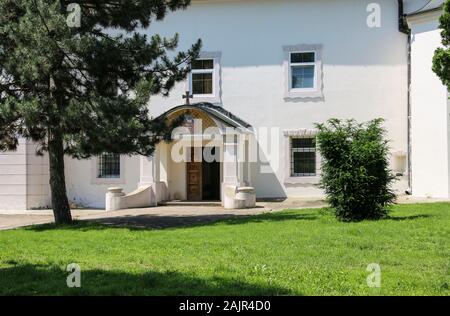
{"x":303,"y":252}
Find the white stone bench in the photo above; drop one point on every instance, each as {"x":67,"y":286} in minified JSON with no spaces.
{"x":141,"y":197}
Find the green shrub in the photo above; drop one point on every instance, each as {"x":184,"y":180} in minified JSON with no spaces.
{"x":355,"y":168}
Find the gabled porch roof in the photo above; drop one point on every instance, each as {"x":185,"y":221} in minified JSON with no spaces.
{"x":216,"y":112}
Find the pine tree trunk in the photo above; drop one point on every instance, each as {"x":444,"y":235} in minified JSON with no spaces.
{"x":60,"y":203}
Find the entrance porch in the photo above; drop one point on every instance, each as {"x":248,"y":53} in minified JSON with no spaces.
{"x":207,"y":159}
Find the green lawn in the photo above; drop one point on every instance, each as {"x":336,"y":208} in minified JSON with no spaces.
{"x":303,"y":252}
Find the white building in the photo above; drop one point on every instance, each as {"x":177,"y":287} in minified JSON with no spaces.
{"x":275,"y":67}
{"x":429,"y":107}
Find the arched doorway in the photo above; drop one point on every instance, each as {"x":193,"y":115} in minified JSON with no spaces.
{"x":208,"y":143}
{"x":203,"y":177}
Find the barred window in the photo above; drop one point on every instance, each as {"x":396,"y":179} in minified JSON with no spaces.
{"x":303,"y":157}
{"x":109,"y":166}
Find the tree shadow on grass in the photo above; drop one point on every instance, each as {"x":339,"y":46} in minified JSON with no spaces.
{"x":407,"y":218}
{"x":31,"y":279}
{"x":328,"y":211}
{"x":143,"y":222}
{"x":272,"y":217}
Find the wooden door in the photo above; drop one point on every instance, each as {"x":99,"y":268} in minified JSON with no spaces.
{"x":194,"y":179}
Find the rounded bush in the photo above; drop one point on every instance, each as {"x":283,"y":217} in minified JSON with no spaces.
{"x":355,"y":168}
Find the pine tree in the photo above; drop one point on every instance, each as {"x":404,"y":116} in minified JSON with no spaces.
{"x":441,"y":60}
{"x":83,"y":89}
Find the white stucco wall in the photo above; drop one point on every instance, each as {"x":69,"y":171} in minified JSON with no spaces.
{"x":24,"y":178}
{"x":13,"y":178}
{"x":38,"y":188}
{"x":430,"y":113}
{"x":364,"y":69}
{"x":82,"y":188}
{"x":364,"y":77}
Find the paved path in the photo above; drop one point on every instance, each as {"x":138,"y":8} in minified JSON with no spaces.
{"x":14,"y":219}
{"x":165,"y":216}
{"x":172,"y":216}
{"x":157,"y":217}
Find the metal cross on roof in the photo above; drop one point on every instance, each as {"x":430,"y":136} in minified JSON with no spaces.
{"x":188,"y":96}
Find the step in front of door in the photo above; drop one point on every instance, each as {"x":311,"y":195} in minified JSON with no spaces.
{"x":191,"y":203}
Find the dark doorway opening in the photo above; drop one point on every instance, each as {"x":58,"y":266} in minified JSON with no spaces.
{"x":211,"y":178}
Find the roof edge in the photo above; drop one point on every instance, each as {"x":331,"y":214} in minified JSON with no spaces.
{"x":215,"y":111}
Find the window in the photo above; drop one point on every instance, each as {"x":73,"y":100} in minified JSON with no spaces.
{"x":108,"y":166}
{"x":202,"y":77}
{"x":303,"y":157}
{"x":303,"y":71}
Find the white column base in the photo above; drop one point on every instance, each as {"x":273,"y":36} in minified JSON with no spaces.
{"x":235,"y":197}
{"x":113,"y":199}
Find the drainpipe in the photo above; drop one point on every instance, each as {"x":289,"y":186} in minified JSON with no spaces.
{"x":403,"y":27}
{"x":409,"y":190}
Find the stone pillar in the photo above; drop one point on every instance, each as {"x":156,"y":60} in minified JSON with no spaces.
{"x":230,"y":160}
{"x":147,"y":171}
{"x":164,"y":165}
{"x":248,"y":160}
{"x":234,"y":194}
{"x":230,"y":170}
{"x":241,"y":158}
{"x":150,"y":176}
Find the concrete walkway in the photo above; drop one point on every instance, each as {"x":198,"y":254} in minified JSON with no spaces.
{"x":10,"y":219}
{"x":167,"y":216}
{"x":156,"y":217}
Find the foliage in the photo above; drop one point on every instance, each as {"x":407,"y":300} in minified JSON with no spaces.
{"x":441,"y":59}
{"x":355,"y":168}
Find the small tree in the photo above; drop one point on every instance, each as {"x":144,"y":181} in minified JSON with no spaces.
{"x":441,"y":60}
{"x":59,"y":79}
{"x":355,"y":168}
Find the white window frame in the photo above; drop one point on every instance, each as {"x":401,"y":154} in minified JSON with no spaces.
{"x":296,"y":93}
{"x":292,"y":65}
{"x":94,"y":173}
{"x":202,"y":71}
{"x":215,"y":96}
